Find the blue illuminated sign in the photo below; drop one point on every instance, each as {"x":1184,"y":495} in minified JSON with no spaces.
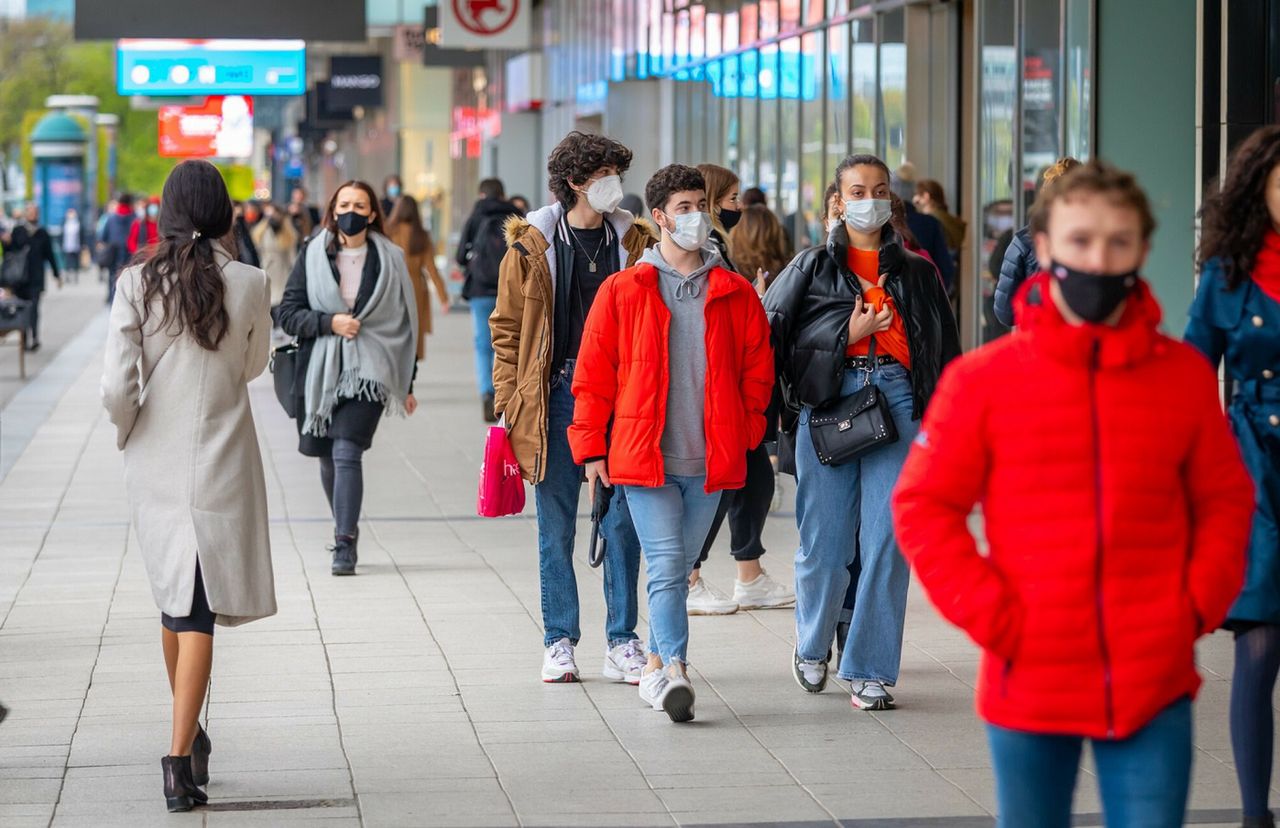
{"x":211,"y":67}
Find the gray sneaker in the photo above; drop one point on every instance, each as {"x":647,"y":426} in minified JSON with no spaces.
{"x":871,"y":695}
{"x":811,"y":675}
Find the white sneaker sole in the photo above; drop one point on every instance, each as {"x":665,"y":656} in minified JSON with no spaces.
{"x":704,"y":611}
{"x":614,"y":674}
{"x":562,"y":678}
{"x":780,"y":604}
{"x":677,"y":703}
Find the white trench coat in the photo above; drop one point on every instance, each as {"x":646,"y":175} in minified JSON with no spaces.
{"x":192,"y":467}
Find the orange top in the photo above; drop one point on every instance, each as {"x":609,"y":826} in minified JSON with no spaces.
{"x":866,"y":264}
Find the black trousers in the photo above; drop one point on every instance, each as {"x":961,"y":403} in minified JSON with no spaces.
{"x":32,"y":298}
{"x":747,"y":509}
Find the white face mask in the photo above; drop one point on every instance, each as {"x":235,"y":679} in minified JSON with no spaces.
{"x":692,"y":230}
{"x":867,"y":215}
{"x":605,"y":194}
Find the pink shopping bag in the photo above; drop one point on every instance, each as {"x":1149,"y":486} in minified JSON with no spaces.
{"x":501,"y":489}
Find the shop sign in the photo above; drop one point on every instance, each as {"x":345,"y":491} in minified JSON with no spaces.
{"x":485,"y":24}
{"x":355,"y":81}
{"x":221,"y":127}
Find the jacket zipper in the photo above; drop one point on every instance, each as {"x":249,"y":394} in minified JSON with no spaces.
{"x":1095,"y":418}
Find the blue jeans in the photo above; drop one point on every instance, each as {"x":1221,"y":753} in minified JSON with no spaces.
{"x":672,"y":521}
{"x":842,"y":511}
{"x":557,"y":501}
{"x":1143,"y":780}
{"x":481,"y":309}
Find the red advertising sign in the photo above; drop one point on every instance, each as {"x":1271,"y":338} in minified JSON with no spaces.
{"x":220,"y":128}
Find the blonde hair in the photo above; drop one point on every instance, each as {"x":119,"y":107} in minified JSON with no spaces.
{"x":719,"y":181}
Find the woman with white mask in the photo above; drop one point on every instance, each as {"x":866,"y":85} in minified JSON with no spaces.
{"x":861,"y":311}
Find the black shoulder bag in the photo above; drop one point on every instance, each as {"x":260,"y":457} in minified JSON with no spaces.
{"x":284,"y":373}
{"x":852,"y":426}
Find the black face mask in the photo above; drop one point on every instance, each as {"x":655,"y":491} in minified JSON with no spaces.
{"x":729,"y":218}
{"x":352,"y":223}
{"x":1091,"y":296}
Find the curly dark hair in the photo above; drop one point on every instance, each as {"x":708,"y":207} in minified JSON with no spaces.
{"x":673,"y":178}
{"x":1235,"y":219}
{"x":578,"y":157}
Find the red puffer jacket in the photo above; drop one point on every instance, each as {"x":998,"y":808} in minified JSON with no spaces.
{"x":1117,"y":512}
{"x":622,"y":374}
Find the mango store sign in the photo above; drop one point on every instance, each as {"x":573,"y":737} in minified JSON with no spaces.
{"x":221,"y":127}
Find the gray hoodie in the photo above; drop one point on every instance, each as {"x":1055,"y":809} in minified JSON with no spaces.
{"x":684,"y":445}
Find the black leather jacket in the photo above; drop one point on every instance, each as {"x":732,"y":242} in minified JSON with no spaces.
{"x":809,"y":308}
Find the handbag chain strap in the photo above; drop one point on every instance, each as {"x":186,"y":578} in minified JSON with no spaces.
{"x":871,"y":363}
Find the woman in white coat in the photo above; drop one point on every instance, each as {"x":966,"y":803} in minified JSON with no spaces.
{"x":189,"y":329}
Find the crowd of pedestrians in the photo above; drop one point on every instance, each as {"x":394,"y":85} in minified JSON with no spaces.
{"x":676,"y":355}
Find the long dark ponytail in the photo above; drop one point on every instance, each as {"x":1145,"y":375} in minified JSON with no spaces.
{"x":195,"y":212}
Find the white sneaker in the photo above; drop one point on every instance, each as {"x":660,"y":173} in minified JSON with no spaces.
{"x":558,"y":666}
{"x":625,"y":662}
{"x":677,"y":699}
{"x":651,"y":687}
{"x":763,"y":593}
{"x":706,"y":600}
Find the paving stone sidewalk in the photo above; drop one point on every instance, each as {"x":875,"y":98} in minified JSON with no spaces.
{"x":410,"y":696}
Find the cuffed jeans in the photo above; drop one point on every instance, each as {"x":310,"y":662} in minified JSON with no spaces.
{"x":481,"y":309}
{"x":672,"y":521}
{"x":557,"y":502}
{"x":1142,"y":780}
{"x":842,"y":511}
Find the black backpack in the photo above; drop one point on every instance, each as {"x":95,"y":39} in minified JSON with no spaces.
{"x":488,"y":246}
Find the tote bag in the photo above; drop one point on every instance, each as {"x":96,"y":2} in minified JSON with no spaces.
{"x":501,"y":489}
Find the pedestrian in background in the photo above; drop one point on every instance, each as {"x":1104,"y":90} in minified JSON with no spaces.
{"x":931,"y":200}
{"x":392,"y":188}
{"x":760,"y":246}
{"x":724,"y":207}
{"x":304,"y":215}
{"x":246,"y":216}
{"x":1112,"y":545}
{"x":30,"y":239}
{"x":145,"y":231}
{"x":481,"y":249}
{"x":276,"y":243}
{"x":350,"y":303}
{"x":72,"y":243}
{"x":520,"y":203}
{"x":406,"y":231}
{"x":191,"y":330}
{"x":672,"y":344}
{"x":859,"y":310}
{"x":1019,"y":261}
{"x":1235,"y":320}
{"x":559,"y":257}
{"x":115,"y":240}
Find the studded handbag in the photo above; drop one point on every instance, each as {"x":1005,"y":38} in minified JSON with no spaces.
{"x":854,"y":425}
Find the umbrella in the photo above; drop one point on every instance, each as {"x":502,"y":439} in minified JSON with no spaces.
{"x":602,"y":494}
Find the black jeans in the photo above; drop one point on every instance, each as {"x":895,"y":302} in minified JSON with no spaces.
{"x":342,"y":475}
{"x":747,"y":508}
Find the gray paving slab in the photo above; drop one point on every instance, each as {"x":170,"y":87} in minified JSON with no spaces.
{"x":410,"y":694}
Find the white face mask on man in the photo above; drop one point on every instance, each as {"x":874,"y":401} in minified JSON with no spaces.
{"x":867,"y":215}
{"x":605,"y":194}
{"x":691,"y":231}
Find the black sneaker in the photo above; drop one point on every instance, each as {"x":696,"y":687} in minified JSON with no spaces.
{"x":871,"y":695}
{"x":344,"y":555}
{"x":811,"y":675}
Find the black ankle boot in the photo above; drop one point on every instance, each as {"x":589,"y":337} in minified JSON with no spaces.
{"x":344,"y":555}
{"x":180,"y":791}
{"x":200,"y":750}
{"x":1268,"y":821}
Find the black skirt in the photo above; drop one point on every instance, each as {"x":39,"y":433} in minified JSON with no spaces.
{"x":354,"y":420}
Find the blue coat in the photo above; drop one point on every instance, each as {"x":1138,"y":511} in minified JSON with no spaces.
{"x":1242,"y":326}
{"x":1019,"y":265}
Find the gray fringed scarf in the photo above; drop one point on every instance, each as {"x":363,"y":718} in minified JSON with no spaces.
{"x":378,"y":363}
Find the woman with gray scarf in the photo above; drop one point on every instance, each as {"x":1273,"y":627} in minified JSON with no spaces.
{"x":350,"y":303}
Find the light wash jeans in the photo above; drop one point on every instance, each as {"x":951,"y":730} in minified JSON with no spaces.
{"x":672,"y":522}
{"x":842,"y":511}
{"x":1143,"y":780}
{"x":557,"y":499}
{"x":481,"y":309}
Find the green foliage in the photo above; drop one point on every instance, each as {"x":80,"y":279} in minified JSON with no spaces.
{"x":40,"y":59}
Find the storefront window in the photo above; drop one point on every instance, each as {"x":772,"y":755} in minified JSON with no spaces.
{"x":769,"y":163}
{"x":748,"y":64}
{"x":893,"y":88}
{"x":998,"y":104}
{"x":1078,"y":83}
{"x":814,"y":166}
{"x":864,"y":89}
{"x":1041,"y":77}
{"x":792,"y":85}
{"x":837,"y":94}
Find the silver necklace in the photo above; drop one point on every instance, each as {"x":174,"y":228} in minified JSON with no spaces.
{"x":590,"y":259}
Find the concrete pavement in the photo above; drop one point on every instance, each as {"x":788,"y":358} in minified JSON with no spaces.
{"x":409,"y":695}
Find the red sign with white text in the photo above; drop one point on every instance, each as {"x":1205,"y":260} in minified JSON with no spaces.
{"x":220,"y":128}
